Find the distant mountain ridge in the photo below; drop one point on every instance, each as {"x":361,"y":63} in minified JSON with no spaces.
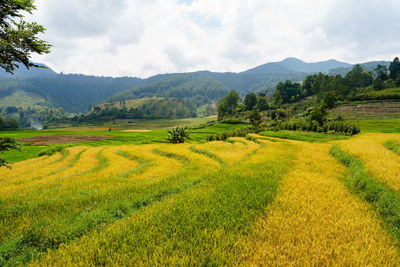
{"x":294,"y":64}
{"x":75,"y":92}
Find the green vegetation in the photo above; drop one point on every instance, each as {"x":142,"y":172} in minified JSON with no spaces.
{"x":393,"y":145}
{"x":304,"y":136}
{"x":7,"y":144}
{"x":178,"y":135}
{"x":384,"y":200}
{"x":121,"y":137}
{"x":51,"y":150}
{"x":336,"y":127}
{"x":152,"y":108}
{"x":381,"y":126}
{"x":199,"y":224}
{"x":387,"y":94}
{"x":18,"y":38}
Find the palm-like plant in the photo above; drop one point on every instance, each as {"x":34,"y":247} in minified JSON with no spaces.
{"x":178,"y":135}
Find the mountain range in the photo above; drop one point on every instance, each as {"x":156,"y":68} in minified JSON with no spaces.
{"x":74,"y":93}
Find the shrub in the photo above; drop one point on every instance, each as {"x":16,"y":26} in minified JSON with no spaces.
{"x":178,"y":135}
{"x":51,"y":150}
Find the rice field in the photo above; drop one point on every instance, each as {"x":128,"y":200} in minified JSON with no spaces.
{"x":260,"y":200}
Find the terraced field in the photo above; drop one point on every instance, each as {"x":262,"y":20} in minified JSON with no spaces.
{"x":250,"y":201}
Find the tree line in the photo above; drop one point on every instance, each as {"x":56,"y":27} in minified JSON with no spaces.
{"x":329,"y":89}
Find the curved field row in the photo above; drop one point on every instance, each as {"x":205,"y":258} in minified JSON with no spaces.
{"x":315,"y":221}
{"x":25,"y":167}
{"x":103,"y":185}
{"x":393,"y":145}
{"x":230,"y":153}
{"x":200,"y":226}
{"x":381,"y":162}
{"x":36,"y":174}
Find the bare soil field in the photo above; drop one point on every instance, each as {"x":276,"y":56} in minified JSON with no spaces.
{"x":62,"y":139}
{"x":370,"y":108}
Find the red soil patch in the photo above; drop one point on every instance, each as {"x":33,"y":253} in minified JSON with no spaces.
{"x":62,"y":139}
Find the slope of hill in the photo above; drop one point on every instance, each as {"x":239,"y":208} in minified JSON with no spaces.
{"x":297,"y":65}
{"x":367,"y":65}
{"x":73,"y":93}
{"x":198,"y":87}
{"x":22,"y":72}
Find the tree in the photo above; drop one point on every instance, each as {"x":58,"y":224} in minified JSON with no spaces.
{"x":330,"y":99}
{"x":13,"y":124}
{"x":5,"y":145}
{"x":262,"y":103}
{"x":378,"y":83}
{"x":250,"y":101}
{"x":381,"y":72}
{"x":18,"y":38}
{"x":228,"y":105}
{"x":277,"y":98}
{"x":357,"y":77}
{"x":319,"y":114}
{"x":178,"y":135}
{"x":290,"y":92}
{"x":394,"y":68}
{"x":255,"y":118}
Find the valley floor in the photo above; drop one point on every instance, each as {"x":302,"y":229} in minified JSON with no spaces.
{"x":260,"y":200}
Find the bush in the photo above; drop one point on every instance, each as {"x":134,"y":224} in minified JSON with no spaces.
{"x":231,"y":121}
{"x":312,"y":126}
{"x":51,"y":150}
{"x":178,"y":135}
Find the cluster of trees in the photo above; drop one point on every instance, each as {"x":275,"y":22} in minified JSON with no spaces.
{"x":312,"y":126}
{"x":25,"y":117}
{"x":330,"y":88}
{"x":8,"y":125}
{"x":18,"y":40}
{"x":197,"y":88}
{"x":72,"y":92}
{"x":229,"y":105}
{"x":152,"y":109}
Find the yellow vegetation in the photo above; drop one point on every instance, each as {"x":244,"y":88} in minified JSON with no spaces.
{"x":231,"y":152}
{"x":315,"y":221}
{"x":382,"y":163}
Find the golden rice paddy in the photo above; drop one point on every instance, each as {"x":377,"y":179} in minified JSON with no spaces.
{"x":243,"y":202}
{"x":381,"y":162}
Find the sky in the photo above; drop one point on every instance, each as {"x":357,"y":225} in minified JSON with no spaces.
{"x":146,"y":37}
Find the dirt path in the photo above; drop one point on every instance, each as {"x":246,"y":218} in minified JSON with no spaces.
{"x":62,"y":139}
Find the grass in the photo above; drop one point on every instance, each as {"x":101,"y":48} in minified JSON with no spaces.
{"x":65,"y":205}
{"x":118,"y":137}
{"x":379,"y":126}
{"x":316,"y":221}
{"x":379,"y":161}
{"x":359,"y":182}
{"x":200,"y":226}
{"x":393,"y":146}
{"x":21,"y":99}
{"x":304,"y":136}
{"x":386,"y":94}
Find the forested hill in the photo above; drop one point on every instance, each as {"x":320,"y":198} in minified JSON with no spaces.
{"x":293,"y":64}
{"x":74,"y":93}
{"x":198,"y":86}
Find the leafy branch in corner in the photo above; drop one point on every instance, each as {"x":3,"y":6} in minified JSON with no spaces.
{"x":7,"y":144}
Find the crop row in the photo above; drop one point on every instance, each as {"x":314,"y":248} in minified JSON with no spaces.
{"x":87,"y":188}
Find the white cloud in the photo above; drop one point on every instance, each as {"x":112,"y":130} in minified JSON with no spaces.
{"x":142,"y":38}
